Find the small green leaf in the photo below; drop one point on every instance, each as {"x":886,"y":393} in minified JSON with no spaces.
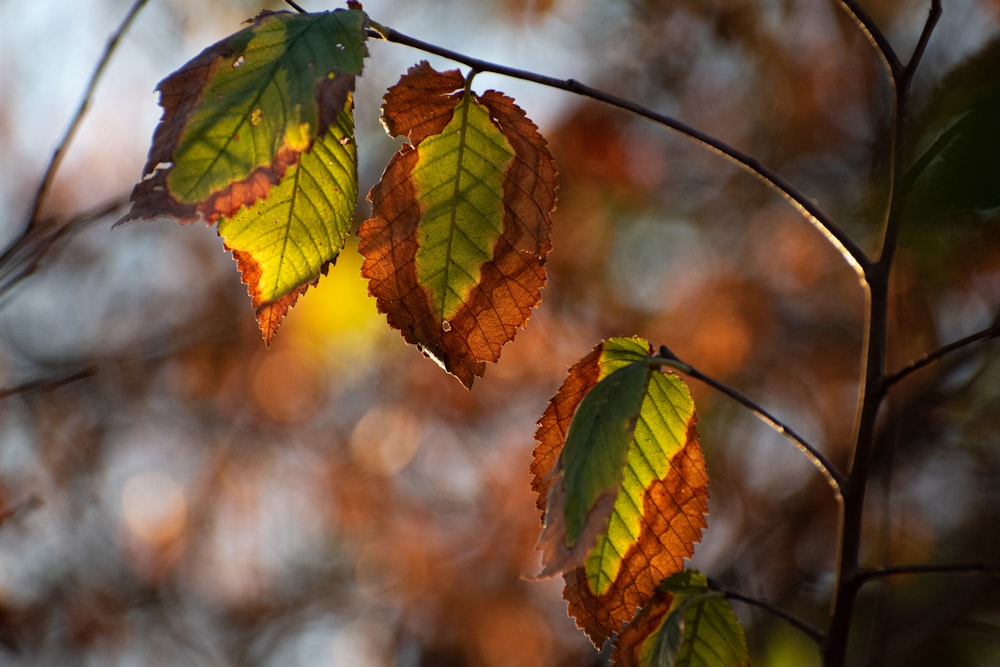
{"x":685,"y":623}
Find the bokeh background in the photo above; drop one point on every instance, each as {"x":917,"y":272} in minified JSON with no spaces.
{"x":173,"y":493}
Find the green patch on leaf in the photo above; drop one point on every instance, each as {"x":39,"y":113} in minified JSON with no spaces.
{"x":283,"y":243}
{"x":456,"y":245}
{"x":622,"y":483}
{"x":257,"y":134}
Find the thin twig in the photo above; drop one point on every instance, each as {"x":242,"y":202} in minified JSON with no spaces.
{"x":873,"y":387}
{"x":295,"y":6}
{"x":796,"y":623}
{"x":57,"y":156}
{"x":902,"y":78}
{"x":25,"y":255}
{"x":874,"y":35}
{"x":933,"y":15}
{"x":842,"y":243}
{"x":926,"y":568}
{"x":48,"y":384}
{"x":933,"y":151}
{"x":820,"y":462}
{"x":992,"y":331}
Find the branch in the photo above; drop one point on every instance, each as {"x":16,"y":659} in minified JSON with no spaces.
{"x":841,"y":242}
{"x":820,"y":462}
{"x":933,"y":15}
{"x":25,"y":255}
{"x":74,"y":124}
{"x":901,"y":78}
{"x":48,"y":384}
{"x":993,"y":331}
{"x":925,"y":568}
{"x":796,"y":623}
{"x":874,"y":35}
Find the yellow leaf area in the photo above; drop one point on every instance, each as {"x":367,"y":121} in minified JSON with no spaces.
{"x":659,"y":505}
{"x":338,"y":323}
{"x":683,"y":624}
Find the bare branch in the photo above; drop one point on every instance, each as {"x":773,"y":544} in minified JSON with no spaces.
{"x":74,"y":124}
{"x":926,"y":568}
{"x":820,"y":462}
{"x":852,"y":254}
{"x":874,"y":35}
{"x":49,"y":383}
{"x":990,"y":332}
{"x":796,"y":623}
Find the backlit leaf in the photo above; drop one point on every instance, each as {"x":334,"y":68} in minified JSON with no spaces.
{"x":455,"y":248}
{"x":686,"y":624}
{"x":257,"y":134}
{"x":641,"y":512}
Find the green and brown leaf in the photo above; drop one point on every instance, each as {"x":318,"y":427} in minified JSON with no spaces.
{"x":622,"y":483}
{"x":257,"y":134}
{"x":456,"y":245}
{"x":684,"y":623}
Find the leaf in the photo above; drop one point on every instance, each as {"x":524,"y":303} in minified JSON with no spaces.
{"x":641,"y":512}
{"x":257,"y":134}
{"x":284,"y":242}
{"x":962,"y":181}
{"x":684,"y":624}
{"x":456,"y":245}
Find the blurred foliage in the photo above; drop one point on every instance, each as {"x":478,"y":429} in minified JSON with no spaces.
{"x":173,"y":493}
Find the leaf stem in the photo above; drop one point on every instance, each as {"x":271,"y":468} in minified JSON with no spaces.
{"x":852,"y":254}
{"x":820,"y":462}
{"x":795,"y":622}
{"x":992,"y":331}
{"x":57,"y":156}
{"x":868,"y":574}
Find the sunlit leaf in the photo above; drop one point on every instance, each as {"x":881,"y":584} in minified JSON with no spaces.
{"x":686,"y":624}
{"x":615,"y":523}
{"x":258,"y":134}
{"x":455,"y":248}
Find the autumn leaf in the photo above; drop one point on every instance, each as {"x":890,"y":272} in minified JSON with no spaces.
{"x":257,"y":134}
{"x":456,"y":244}
{"x":685,"y":623}
{"x":621,"y":481}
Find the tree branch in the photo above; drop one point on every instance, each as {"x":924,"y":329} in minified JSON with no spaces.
{"x":795,"y":622}
{"x":868,"y":574}
{"x":48,"y":384}
{"x":874,"y":35}
{"x":992,"y":331}
{"x":820,"y":462}
{"x":57,"y":156}
{"x":852,"y":254}
{"x":23,"y":257}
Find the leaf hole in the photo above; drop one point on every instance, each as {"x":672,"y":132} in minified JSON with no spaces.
{"x":239,"y":61}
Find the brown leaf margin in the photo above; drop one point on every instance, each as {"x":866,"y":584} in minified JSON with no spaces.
{"x":674,"y":510}
{"x":421,"y":104}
